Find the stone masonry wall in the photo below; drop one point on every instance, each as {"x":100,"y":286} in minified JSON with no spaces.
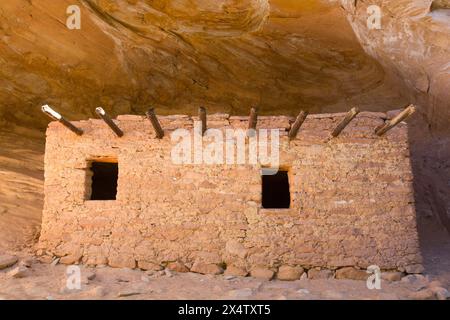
{"x":352,"y":199}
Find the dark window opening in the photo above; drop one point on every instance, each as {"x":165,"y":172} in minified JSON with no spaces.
{"x":104,"y":180}
{"x":275,"y":191}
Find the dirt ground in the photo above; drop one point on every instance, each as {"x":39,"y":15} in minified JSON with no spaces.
{"x":21,"y":200}
{"x":44,"y":281}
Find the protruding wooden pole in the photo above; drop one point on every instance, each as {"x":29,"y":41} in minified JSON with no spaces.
{"x":202,"y":116}
{"x":102,"y":114}
{"x":155,"y":123}
{"x":395,"y":121}
{"x":297,"y":124}
{"x":253,"y":120}
{"x":56,"y":116}
{"x":341,"y":126}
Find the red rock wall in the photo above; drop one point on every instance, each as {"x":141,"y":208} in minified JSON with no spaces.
{"x":352,"y":200}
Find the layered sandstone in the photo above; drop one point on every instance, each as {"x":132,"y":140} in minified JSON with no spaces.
{"x":227,"y":55}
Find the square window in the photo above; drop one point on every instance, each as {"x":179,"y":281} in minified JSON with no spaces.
{"x":104,"y":180}
{"x":275,"y":190}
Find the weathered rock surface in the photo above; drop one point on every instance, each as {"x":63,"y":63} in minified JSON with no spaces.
{"x":18,"y":272}
{"x":168,"y":273}
{"x":149,"y":266}
{"x":36,"y":71}
{"x":417,"y":280}
{"x":70,"y":259}
{"x":27,"y":262}
{"x":440,"y":293}
{"x":7,"y":261}
{"x":87,"y":276}
{"x":235,"y":271}
{"x":392,"y":276}
{"x":414,"y":44}
{"x":351,"y":273}
{"x":226,"y":55}
{"x":177,"y":267}
{"x":414,"y":269}
{"x":178,"y":57}
{"x":320,"y":274}
{"x":236,"y":248}
{"x":47,"y":281}
{"x":262,"y":273}
{"x":289,"y":273}
{"x":425,"y":294}
{"x":206,"y":268}
{"x":410,"y":29}
{"x":97,"y":292}
{"x":155,"y":236}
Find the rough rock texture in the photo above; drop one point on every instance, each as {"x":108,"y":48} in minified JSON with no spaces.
{"x":177,"y":266}
{"x":18,"y":272}
{"x":352,"y":199}
{"x":289,"y":273}
{"x":7,"y":261}
{"x":113,"y":65}
{"x":21,"y":189}
{"x":392,"y":276}
{"x":441,"y":293}
{"x":206,"y":268}
{"x":414,"y":44}
{"x":351,"y":273}
{"x":262,"y":273}
{"x":235,"y":271}
{"x":226,"y":55}
{"x":317,"y":274}
{"x":47,"y":282}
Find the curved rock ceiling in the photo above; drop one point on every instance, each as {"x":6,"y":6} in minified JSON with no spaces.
{"x":413,"y":44}
{"x":227,"y":55}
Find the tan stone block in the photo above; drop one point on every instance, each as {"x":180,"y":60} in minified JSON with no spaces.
{"x":177,"y":267}
{"x":392,"y":276}
{"x":351,"y":273}
{"x":205,"y":268}
{"x":46,"y":259}
{"x":235,"y":271}
{"x":71,"y":259}
{"x":289,"y":273}
{"x":95,"y":260}
{"x":414,"y":269}
{"x":211,"y":256}
{"x":320,"y":274}
{"x":236,"y":248}
{"x":118,"y":261}
{"x":262,"y":273}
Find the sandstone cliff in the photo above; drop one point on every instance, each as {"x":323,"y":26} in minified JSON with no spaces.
{"x":228,"y":55}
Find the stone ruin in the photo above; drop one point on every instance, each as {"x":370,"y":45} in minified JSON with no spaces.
{"x":122,"y":202}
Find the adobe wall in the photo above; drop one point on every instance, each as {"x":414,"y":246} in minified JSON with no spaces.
{"x":352,"y":199}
